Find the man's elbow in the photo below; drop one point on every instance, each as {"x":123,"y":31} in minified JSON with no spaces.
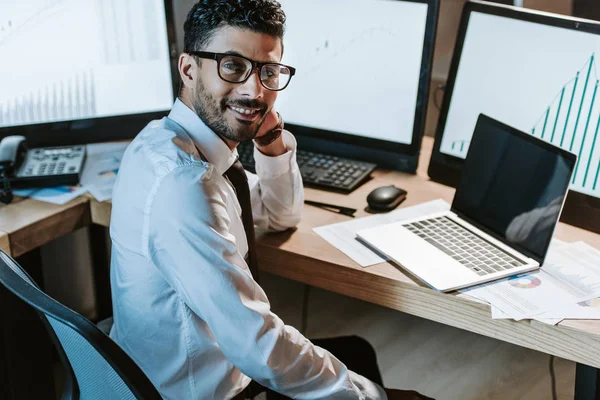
{"x":281,"y":223}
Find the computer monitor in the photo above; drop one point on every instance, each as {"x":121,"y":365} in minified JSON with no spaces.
{"x":535,"y":71}
{"x":84,"y":71}
{"x":362,"y":80}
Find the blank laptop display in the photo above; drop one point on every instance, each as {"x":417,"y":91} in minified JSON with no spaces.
{"x":513,"y":186}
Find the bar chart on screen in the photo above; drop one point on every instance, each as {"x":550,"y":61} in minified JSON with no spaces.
{"x":72,"y":98}
{"x":571,"y":120}
{"x":70,"y":59}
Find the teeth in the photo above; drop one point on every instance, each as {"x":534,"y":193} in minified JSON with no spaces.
{"x":244,"y":110}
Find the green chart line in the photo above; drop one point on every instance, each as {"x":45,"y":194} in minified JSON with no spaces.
{"x":587,"y":124}
{"x":461,"y":143}
{"x":562,"y":139}
{"x":566,"y":124}
{"x":587,"y":79}
{"x":596,"y":180}
{"x":591,"y":153}
{"x":562,"y":95}
{"x":545,"y":122}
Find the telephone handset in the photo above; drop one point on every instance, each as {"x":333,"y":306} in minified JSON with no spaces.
{"x":39,"y":167}
{"x":12,"y":152}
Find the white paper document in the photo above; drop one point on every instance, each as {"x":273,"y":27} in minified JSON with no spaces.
{"x":566,"y":278}
{"x":55,"y":195}
{"x":589,"y":309}
{"x":342,"y":235}
{"x":498,"y":314}
{"x":101,"y":168}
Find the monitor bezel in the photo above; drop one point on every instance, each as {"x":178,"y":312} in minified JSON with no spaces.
{"x":100,"y":129}
{"x":446,"y":169}
{"x":485,"y":120}
{"x":414,"y":147}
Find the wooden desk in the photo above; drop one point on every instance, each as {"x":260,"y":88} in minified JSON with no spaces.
{"x":302,"y":255}
{"x":4,"y":243}
{"x":30,"y":223}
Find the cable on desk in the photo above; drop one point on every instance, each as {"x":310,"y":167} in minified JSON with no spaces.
{"x":6,"y":195}
{"x":553,"y":378}
{"x":304,"y":322}
{"x":439,"y":88}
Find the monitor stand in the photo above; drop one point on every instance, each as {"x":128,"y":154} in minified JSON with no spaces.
{"x":582,"y":211}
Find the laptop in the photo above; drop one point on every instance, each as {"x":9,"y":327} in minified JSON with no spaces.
{"x":503,"y":215}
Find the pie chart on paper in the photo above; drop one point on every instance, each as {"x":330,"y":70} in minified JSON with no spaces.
{"x":524,"y":281}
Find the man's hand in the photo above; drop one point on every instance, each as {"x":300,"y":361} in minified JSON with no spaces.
{"x":395,"y":394}
{"x":276,"y":148}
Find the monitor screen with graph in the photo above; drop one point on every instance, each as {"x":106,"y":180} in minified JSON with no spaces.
{"x":82,"y":60}
{"x":363,"y":69}
{"x":537,"y":72}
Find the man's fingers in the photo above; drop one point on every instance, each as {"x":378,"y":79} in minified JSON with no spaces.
{"x":269,"y":123}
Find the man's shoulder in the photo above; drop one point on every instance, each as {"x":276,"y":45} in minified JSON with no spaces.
{"x":166,"y":146}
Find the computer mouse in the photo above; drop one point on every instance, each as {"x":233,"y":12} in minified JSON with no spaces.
{"x":385,"y":198}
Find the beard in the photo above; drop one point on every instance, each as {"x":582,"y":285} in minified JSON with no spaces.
{"x":212,"y":113}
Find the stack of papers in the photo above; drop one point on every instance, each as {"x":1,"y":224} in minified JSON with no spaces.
{"x":101,"y":168}
{"x":566,"y":287}
{"x":55,"y":195}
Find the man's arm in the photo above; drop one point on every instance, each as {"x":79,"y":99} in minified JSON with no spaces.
{"x":276,"y":190}
{"x":190,"y":243}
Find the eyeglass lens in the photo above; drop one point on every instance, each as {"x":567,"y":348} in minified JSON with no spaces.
{"x":236,"y":69}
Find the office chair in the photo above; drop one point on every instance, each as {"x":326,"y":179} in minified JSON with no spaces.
{"x":96,"y":367}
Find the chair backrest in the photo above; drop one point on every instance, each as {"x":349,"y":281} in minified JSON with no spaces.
{"x":97,"y":367}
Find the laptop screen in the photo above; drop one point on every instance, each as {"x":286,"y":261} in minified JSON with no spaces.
{"x":513,"y":186}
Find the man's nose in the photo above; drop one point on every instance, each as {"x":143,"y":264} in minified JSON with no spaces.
{"x":252,"y":87}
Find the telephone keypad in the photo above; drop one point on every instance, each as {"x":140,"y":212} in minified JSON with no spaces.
{"x":52,"y":161}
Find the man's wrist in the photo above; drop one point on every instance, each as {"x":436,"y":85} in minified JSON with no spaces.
{"x":271,"y":143}
{"x":274,"y":149}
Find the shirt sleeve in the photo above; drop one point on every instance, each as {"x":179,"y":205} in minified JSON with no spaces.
{"x":276,"y":189}
{"x":190,"y":243}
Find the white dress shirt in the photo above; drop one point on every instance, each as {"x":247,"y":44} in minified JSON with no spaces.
{"x":186,"y":308}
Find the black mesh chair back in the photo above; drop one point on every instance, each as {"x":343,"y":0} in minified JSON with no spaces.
{"x":96,"y":367}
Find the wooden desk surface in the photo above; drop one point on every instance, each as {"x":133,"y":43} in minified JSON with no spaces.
{"x":31,"y":223}
{"x":303,"y":256}
{"x":4,"y":242}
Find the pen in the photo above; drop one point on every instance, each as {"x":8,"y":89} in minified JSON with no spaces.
{"x":332,"y":207}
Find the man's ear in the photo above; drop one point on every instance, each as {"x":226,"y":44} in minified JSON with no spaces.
{"x":187,"y":70}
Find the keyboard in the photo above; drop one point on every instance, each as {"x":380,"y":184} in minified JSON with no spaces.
{"x":464,"y":246}
{"x":319,"y":170}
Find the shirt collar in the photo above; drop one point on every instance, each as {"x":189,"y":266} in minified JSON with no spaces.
{"x":212,"y":147}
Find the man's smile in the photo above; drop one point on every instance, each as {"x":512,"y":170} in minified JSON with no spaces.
{"x":246,"y":114}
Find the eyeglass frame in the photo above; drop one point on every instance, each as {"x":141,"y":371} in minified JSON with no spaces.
{"x":255,"y":64}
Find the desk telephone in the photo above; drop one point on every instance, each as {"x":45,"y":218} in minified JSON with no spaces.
{"x":21,"y":167}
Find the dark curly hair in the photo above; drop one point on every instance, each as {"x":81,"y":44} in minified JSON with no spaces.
{"x":206,"y":16}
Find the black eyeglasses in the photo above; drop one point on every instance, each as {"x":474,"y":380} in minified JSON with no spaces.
{"x":237,"y":69}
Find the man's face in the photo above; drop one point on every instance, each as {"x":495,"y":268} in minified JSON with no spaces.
{"x":235,"y":110}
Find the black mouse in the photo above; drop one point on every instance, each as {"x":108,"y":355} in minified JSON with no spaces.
{"x":385,"y":198}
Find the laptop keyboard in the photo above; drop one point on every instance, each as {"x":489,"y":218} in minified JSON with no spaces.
{"x":465,"y":247}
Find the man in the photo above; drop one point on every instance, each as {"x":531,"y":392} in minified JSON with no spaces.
{"x":186,"y":306}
